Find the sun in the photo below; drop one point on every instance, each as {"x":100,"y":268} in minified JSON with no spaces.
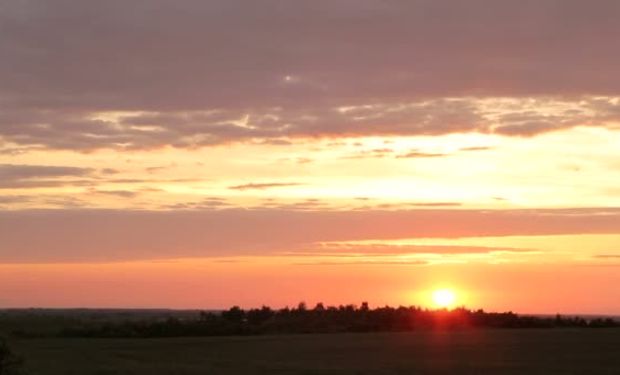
{"x":444,"y":298}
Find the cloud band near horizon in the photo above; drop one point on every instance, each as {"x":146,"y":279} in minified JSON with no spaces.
{"x":42,"y":236}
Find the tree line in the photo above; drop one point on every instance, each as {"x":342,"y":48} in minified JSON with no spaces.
{"x":326,"y":319}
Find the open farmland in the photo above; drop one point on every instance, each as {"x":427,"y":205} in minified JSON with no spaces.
{"x":476,"y":351}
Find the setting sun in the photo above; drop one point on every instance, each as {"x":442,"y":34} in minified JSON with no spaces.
{"x":444,"y":298}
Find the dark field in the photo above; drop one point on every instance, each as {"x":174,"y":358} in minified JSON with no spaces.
{"x":477,"y":351}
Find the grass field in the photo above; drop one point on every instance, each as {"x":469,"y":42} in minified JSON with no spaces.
{"x":551,"y":351}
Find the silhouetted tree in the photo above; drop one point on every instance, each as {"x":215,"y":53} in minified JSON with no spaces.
{"x":301,"y":307}
{"x":259,"y":316}
{"x":234,"y":314}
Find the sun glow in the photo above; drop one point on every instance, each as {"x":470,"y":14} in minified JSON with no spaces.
{"x":444,"y":298}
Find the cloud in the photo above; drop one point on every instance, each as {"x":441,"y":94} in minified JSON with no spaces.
{"x":476,"y":148}
{"x":418,"y":154}
{"x":87,"y":75}
{"x":109,"y":171}
{"x":435,"y":204}
{"x":10,"y":199}
{"x":33,"y":176}
{"x":372,"y":262}
{"x":42,"y":199}
{"x":204,"y":204}
{"x":307,"y":204}
{"x":415,"y":153}
{"x":156,"y":169}
{"x":21,"y":176}
{"x":116,"y":193}
{"x":372,"y":153}
{"x":262,"y":186}
{"x":20,"y":172}
{"x":380,"y":249}
{"x":36,"y":183}
{"x":80,"y":235}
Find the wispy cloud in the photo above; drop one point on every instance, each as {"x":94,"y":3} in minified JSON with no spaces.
{"x":434,"y":204}
{"x":264,"y":185}
{"x":116,"y":193}
{"x":33,"y":176}
{"x":21,"y":172}
{"x":386,"y":249}
{"x":418,"y":154}
{"x":367,"y":262}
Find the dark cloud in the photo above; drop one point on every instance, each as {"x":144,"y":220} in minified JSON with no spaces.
{"x":33,"y":176}
{"x":193,"y":73}
{"x":20,"y":172}
{"x":107,"y":235}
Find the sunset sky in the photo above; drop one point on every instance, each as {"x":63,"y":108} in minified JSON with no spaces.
{"x":202,"y":154}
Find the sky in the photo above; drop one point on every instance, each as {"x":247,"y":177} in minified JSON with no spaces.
{"x":204,"y":154}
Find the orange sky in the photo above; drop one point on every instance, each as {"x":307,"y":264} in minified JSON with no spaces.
{"x":151,"y":155}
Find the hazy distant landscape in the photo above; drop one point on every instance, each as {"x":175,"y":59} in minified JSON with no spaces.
{"x":237,"y":341}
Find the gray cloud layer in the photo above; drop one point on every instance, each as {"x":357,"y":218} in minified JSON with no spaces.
{"x":107,"y":235}
{"x":19,"y":172}
{"x":29,"y":176}
{"x":198,"y":68}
